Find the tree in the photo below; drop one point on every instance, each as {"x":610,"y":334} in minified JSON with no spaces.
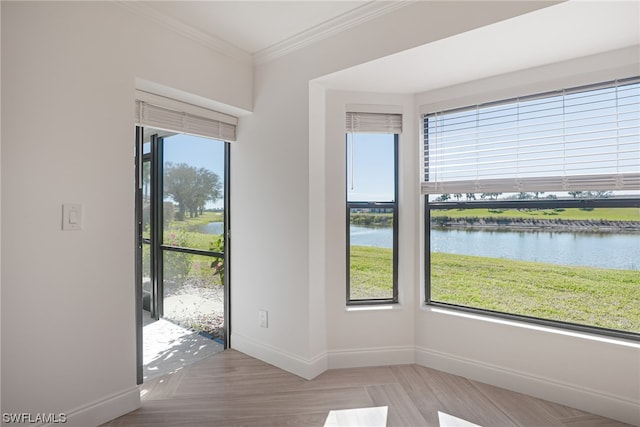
{"x":207,"y":188}
{"x":191,"y":188}
{"x":490,"y":196}
{"x":603,"y":194}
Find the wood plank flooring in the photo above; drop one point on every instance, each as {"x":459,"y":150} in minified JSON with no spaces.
{"x":232,"y":389}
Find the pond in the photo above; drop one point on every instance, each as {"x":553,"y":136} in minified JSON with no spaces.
{"x":211,"y":228}
{"x":605,"y":250}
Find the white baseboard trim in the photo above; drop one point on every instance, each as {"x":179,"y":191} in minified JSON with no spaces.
{"x":297,"y":365}
{"x":353,"y":358}
{"x":603,"y":404}
{"x":104,"y":410}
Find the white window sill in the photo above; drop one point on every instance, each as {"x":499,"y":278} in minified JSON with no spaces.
{"x":533,"y":326}
{"x":373,"y":307}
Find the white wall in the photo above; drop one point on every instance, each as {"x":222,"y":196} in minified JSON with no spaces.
{"x":68,"y":80}
{"x":68,"y":73}
{"x":370,"y":335}
{"x":581,"y":370}
{"x":586,"y":371}
{"x":282,"y":246}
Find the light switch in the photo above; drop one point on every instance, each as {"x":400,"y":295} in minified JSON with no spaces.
{"x":263,"y":319}
{"x":71,"y":216}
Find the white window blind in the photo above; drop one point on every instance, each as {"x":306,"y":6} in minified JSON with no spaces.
{"x":374,"y":122}
{"x":580,"y":139}
{"x":176,"y":116}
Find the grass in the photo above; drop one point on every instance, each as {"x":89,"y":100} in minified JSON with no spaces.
{"x":371,"y":272}
{"x":570,"y":214}
{"x":183,"y":233}
{"x":203,"y":219}
{"x":590,"y":296}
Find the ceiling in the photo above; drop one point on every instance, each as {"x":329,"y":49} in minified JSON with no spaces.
{"x":555,"y":33}
{"x":257,"y":31}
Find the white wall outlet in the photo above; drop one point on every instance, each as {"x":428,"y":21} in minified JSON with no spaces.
{"x":72,"y":216}
{"x":263,"y":318}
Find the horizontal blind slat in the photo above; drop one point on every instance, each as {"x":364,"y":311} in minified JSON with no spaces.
{"x":374,"y":122}
{"x":571,"y":133}
{"x":159,"y":117}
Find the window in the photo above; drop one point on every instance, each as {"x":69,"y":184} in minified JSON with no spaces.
{"x":532,"y":208}
{"x":372,"y":208}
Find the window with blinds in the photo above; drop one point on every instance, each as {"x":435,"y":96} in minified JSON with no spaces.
{"x":532,"y":208}
{"x":372,"y":207}
{"x":579,"y":139}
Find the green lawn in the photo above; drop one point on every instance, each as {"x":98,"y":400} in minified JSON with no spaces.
{"x":203,"y":219}
{"x":184,"y":234}
{"x":607,"y":214}
{"x":371,"y":272}
{"x":590,"y":296}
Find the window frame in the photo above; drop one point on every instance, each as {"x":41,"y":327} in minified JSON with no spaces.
{"x":393,"y":205}
{"x":632,"y":200}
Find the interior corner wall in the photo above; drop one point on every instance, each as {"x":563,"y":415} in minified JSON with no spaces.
{"x":317,"y":226}
{"x":275,"y":186}
{"x":68,"y":84}
{"x":370,"y":336}
{"x":589,"y":372}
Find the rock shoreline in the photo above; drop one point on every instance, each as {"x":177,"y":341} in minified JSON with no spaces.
{"x":554,"y":225}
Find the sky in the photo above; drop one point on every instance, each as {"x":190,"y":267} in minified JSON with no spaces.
{"x":370,"y":167}
{"x":577,"y":133}
{"x":370,"y":176}
{"x":370,"y":157}
{"x":199,"y":152}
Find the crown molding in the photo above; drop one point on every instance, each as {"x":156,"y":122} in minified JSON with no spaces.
{"x":353,"y":18}
{"x":357,"y":16}
{"x":216,"y":44}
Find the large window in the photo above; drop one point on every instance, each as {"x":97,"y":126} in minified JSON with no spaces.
{"x":372,"y":208}
{"x":533,"y":208}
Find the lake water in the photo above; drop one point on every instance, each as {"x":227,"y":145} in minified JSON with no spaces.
{"x":212,"y":228}
{"x":605,"y":250}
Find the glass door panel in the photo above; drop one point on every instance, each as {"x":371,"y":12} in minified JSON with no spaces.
{"x":193,"y":233}
{"x":194,"y":292}
{"x":193,"y":192}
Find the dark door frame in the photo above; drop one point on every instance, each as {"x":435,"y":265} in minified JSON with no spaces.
{"x":155,"y":157}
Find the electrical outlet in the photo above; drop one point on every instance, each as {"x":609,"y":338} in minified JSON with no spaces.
{"x":263,"y":318}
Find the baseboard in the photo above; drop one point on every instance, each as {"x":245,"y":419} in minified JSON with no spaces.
{"x":353,"y":358}
{"x":297,"y":365}
{"x":588,"y":400}
{"x":104,"y":410}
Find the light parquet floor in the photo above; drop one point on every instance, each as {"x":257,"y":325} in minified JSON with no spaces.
{"x":232,"y":389}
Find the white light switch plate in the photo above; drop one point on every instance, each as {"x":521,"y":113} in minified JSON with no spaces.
{"x":263,"y":318}
{"x":72,"y":216}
